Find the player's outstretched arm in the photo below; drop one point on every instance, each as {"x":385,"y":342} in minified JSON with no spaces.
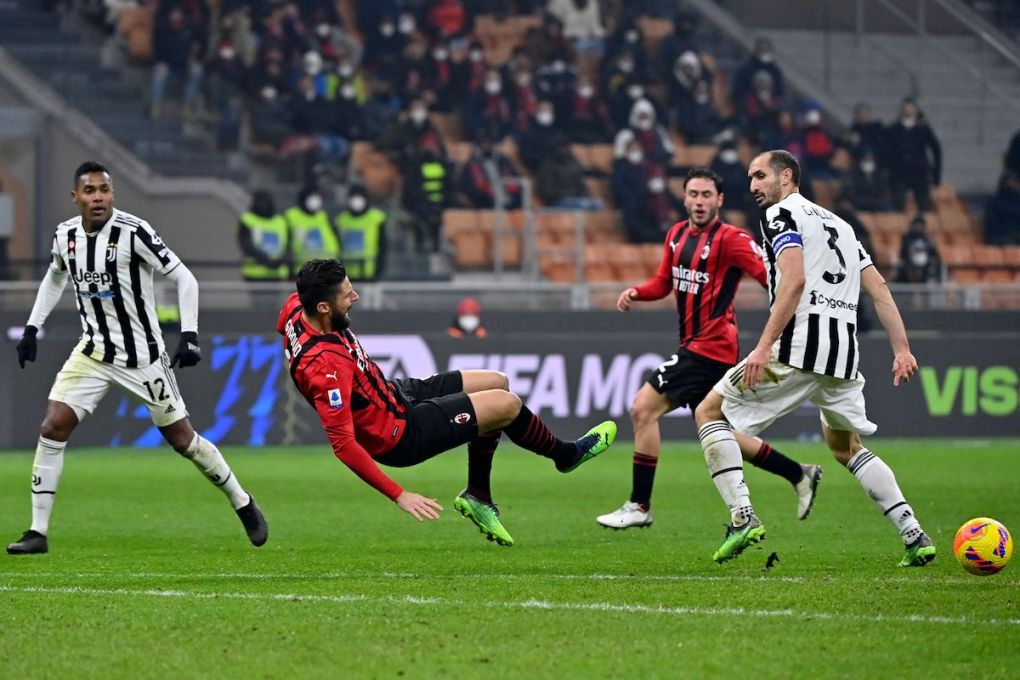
{"x":904,"y":363}
{"x":418,"y":506}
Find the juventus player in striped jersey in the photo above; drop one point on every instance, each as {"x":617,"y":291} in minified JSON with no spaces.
{"x":807,"y":353}
{"x":110,"y":256}
{"x":702,"y":264}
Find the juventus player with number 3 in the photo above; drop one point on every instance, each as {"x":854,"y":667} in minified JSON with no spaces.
{"x":110,"y":256}
{"x":808,"y":352}
{"x":702,"y":264}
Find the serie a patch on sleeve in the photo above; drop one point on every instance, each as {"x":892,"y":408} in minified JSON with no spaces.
{"x":335,"y":400}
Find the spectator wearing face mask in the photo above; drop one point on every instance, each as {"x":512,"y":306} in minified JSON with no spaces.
{"x":488,"y":112}
{"x":919,"y":258}
{"x":468,"y":322}
{"x":682,"y":39}
{"x":413,"y":132}
{"x":642,"y":195}
{"x":489,"y":180}
{"x":441,"y":77}
{"x":363,"y":234}
{"x":312,"y":235}
{"x":621,"y":100}
{"x":761,"y":106}
{"x":865,"y":134}
{"x":588,"y":120}
{"x":628,"y":37}
{"x":542,"y":134}
{"x":867,"y":186}
{"x":819,"y":146}
{"x":264,"y":238}
{"x":544,"y":43}
{"x":383,"y":43}
{"x":627,"y":178}
{"x":914,"y":157}
{"x":559,"y":181}
{"x":523,"y":99}
{"x":690,"y":96}
{"x":727,"y":165}
{"x":470,"y":73}
{"x":761,"y":60}
{"x":556,"y":80}
{"x":653,"y":137}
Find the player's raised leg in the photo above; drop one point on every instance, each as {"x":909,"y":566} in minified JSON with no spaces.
{"x":879,"y":482}
{"x":804,"y":478}
{"x":208,"y":459}
{"x":58,"y":424}
{"x":722,"y":456}
{"x":649,"y":406}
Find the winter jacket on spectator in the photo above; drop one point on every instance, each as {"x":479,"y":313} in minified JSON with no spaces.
{"x":653,"y":137}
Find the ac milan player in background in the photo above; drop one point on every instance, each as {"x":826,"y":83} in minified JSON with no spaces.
{"x":399,"y":423}
{"x":702,"y":264}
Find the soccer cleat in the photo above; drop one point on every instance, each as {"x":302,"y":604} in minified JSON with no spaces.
{"x":254,"y":522}
{"x":738,"y":538}
{"x":595,"y":441}
{"x":919,"y":553}
{"x":806,"y":489}
{"x":30,"y":543}
{"x":485,"y":516}
{"x":630,"y":515}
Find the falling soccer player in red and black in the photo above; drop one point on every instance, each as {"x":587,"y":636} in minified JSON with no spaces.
{"x":703,"y":261}
{"x":399,"y":423}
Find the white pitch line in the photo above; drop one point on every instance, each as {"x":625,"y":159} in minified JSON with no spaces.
{"x":320,"y":576}
{"x":524,"y":604}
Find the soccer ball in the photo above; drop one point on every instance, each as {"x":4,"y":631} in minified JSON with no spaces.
{"x":983,"y":546}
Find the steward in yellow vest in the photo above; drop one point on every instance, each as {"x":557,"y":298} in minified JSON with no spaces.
{"x":264,"y":238}
{"x":312,"y":236}
{"x":362,"y":232}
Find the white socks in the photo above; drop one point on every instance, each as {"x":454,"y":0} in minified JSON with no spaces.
{"x":46,"y":469}
{"x":879,"y":482}
{"x":207,"y":458}
{"x":722,"y":456}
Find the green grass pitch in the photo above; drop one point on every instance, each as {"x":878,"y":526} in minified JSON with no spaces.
{"x":150,"y":575}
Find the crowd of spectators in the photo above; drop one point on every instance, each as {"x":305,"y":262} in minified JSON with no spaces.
{"x":300,"y":78}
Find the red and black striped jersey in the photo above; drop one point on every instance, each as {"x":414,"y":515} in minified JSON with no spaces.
{"x":703,"y":268}
{"x":363,"y":414}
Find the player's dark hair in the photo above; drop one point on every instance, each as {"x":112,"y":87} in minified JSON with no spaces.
{"x":86,"y":168}
{"x":704,"y":173}
{"x":781,"y":159}
{"x":317,"y":281}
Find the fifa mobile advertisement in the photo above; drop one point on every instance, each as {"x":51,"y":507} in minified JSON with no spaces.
{"x":241,"y":392}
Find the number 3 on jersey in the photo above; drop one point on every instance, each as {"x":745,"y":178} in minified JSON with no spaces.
{"x":828,"y":276}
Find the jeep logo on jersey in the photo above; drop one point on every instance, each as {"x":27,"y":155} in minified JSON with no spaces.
{"x":400,"y":356}
{"x":462,"y":418}
{"x":98,"y":278}
{"x":335,"y":400}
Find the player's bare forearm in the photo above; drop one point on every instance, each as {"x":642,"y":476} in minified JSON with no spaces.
{"x":888,"y":313}
{"x":788,"y":292}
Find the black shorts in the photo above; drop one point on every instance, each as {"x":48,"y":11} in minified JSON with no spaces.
{"x":686,"y":378}
{"x":441,"y":418}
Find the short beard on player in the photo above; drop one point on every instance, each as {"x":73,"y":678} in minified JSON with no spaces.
{"x":709,"y":218}
{"x":339,"y":320}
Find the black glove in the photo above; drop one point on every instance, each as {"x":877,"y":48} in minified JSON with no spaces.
{"x":27,"y":346}
{"x":188,"y":352}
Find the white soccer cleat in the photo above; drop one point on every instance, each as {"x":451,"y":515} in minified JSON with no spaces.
{"x":630,"y":515}
{"x":806,"y":489}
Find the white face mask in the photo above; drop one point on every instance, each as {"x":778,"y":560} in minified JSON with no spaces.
{"x":356,"y":203}
{"x":631,"y":36}
{"x":475,"y":55}
{"x":347,"y":92}
{"x":812,"y":117}
{"x":313,"y":204}
{"x":440,"y":55}
{"x":635,"y":91}
{"x":418,"y":116}
{"x":322,"y":30}
{"x":227,"y":53}
{"x":644,"y":123}
{"x":269,"y":93}
{"x":635,"y":157}
{"x":625,"y":66}
{"x":908,"y":122}
{"x":656,"y":185}
{"x":469,"y":322}
{"x":345,"y":69}
{"x":919,"y":257}
{"x":405,"y":24}
{"x":524,"y":79}
{"x":492,"y":86}
{"x":868,"y":167}
{"x":387,"y":30}
{"x":586,"y":91}
{"x":767,"y":57}
{"x":729,"y":156}
{"x":544,"y":118}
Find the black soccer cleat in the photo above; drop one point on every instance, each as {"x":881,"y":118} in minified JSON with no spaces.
{"x":30,"y":543}
{"x":255,"y":524}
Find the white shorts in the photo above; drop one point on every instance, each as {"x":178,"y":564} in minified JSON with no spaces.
{"x":783,"y":389}
{"x":83,"y":382}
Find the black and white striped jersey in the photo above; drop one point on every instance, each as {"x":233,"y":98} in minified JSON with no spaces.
{"x":111,"y":270}
{"x":822,"y":335}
